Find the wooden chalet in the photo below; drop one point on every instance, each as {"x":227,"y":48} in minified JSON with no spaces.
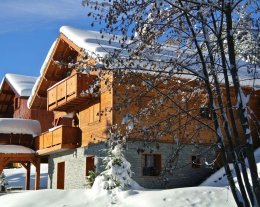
{"x":84,"y":110}
{"x":14,"y":93}
{"x":17,"y":123}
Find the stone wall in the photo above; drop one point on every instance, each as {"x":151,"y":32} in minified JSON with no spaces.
{"x":183,"y":174}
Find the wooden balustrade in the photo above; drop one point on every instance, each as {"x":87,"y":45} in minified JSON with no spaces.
{"x":65,"y":95}
{"x":58,"y":139}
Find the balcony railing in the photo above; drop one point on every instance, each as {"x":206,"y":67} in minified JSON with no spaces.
{"x":58,"y":139}
{"x":65,"y":95}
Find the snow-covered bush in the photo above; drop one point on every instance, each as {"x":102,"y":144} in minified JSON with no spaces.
{"x":91,"y":178}
{"x":117,"y":173}
{"x":118,"y":170}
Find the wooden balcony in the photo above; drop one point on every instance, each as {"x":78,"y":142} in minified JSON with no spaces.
{"x":58,"y":139}
{"x":65,"y":95}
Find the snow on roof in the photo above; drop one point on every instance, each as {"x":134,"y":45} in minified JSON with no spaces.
{"x":99,"y":45}
{"x":15,"y":149}
{"x":20,"y":126}
{"x":91,"y":41}
{"x":21,"y":84}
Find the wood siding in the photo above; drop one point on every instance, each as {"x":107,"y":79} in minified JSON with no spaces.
{"x":17,"y":139}
{"x":127,"y":100}
{"x":22,"y":111}
{"x":44,"y":117}
{"x":95,"y":120}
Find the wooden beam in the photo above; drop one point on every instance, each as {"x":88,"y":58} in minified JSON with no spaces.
{"x":40,"y":96}
{"x":1,"y":167}
{"x":27,"y":166}
{"x":3,"y":163}
{"x":37,"y":174}
{"x":51,"y":78}
{"x":19,"y":157}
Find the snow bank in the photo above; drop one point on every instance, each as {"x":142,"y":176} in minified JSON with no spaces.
{"x":20,"y":126}
{"x":200,"y":196}
{"x":16,"y":176}
{"x":219,"y":178}
{"x":14,"y":149}
{"x":20,"y":83}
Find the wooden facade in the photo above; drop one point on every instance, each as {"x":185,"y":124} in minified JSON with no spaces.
{"x":12,"y":105}
{"x":60,"y":91}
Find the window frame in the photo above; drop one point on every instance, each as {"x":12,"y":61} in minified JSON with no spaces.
{"x":143,"y":164}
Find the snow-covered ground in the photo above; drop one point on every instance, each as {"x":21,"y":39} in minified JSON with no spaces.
{"x":219,"y":178}
{"x":213,"y":192}
{"x":201,"y":196}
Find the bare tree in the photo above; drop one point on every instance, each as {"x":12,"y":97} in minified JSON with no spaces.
{"x":211,"y":42}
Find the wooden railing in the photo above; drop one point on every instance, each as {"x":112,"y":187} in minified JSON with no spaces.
{"x":61,"y":137}
{"x":65,"y":95}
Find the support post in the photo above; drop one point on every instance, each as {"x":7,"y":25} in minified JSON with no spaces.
{"x":1,"y":168}
{"x":28,"y":176}
{"x":37,"y":174}
{"x":27,"y":167}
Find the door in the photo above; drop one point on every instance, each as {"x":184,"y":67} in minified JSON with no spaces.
{"x":61,"y":175}
{"x":90,"y":164}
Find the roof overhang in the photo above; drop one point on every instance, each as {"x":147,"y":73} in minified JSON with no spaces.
{"x":63,"y":51}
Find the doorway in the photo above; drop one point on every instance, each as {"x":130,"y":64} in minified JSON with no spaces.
{"x":61,"y":175}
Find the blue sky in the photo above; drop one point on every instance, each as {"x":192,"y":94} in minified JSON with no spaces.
{"x":28,"y":29}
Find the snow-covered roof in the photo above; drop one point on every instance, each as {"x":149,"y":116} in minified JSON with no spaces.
{"x":99,"y":45}
{"x":20,"y":126}
{"x":15,"y":149}
{"x":21,"y":84}
{"x":91,"y":41}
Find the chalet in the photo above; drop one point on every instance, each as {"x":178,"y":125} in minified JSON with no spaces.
{"x":85,"y":107}
{"x":20,"y":125}
{"x":14,"y":93}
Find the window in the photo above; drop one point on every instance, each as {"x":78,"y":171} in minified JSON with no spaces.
{"x":90,"y":164}
{"x":16,"y":103}
{"x":195,"y":161}
{"x":151,"y":164}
